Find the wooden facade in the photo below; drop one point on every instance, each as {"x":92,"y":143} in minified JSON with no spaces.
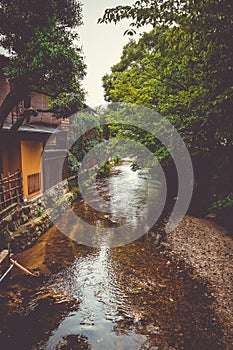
{"x":11,"y":190}
{"x":21,"y":152}
{"x":31,"y":166}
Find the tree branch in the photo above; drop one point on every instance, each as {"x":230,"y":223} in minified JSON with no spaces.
{"x":25,"y":115}
{"x":10,"y":101}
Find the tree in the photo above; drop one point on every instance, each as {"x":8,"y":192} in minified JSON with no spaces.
{"x":190,"y":49}
{"x":39,"y":37}
{"x":183,"y":69}
{"x":168,"y":70}
{"x":188,"y":14}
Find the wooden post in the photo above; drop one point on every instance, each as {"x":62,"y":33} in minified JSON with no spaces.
{"x":20,"y":181}
{"x":9,"y":186}
{"x":4,"y":195}
{"x":1,"y":192}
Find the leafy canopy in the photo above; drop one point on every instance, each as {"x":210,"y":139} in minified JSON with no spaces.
{"x":183,"y":69}
{"x":39,"y":36}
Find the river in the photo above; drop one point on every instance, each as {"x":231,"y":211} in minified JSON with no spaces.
{"x":127,"y":297}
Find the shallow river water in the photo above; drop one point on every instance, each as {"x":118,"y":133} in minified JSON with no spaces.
{"x":129,"y":297}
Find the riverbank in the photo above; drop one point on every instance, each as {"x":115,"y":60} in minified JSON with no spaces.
{"x":208,"y":252}
{"x":172,"y":304}
{"x":166,"y":291}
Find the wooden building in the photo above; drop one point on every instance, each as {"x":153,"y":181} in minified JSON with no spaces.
{"x":21,"y":168}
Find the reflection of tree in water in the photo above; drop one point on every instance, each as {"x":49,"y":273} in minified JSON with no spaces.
{"x":74,"y":342}
{"x":164,"y":304}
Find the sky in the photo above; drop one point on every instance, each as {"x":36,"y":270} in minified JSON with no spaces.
{"x":102,"y":46}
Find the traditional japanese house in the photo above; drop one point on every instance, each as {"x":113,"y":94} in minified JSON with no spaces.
{"x":21,"y":168}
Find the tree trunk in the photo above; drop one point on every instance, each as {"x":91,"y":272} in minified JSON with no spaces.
{"x":16,"y":94}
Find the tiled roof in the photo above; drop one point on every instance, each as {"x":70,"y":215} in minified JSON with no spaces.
{"x":33,"y":129}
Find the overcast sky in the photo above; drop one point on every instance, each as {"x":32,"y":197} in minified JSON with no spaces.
{"x":102,"y":45}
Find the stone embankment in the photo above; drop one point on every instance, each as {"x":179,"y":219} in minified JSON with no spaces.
{"x":21,"y":225}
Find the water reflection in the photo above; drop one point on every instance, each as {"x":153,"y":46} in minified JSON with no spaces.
{"x":102,"y":303}
{"x":123,"y":298}
{"x":128,"y":205}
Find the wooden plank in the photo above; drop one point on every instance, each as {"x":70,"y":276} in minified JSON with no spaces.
{"x":14,"y":262}
{"x":3,"y":255}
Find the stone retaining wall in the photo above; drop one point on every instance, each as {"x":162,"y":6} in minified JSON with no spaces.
{"x":22,"y":225}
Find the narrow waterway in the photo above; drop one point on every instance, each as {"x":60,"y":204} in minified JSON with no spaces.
{"x":130,"y":297}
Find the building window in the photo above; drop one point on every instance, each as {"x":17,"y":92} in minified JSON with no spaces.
{"x":33,"y":183}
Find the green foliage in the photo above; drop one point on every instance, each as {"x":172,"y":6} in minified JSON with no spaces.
{"x":88,"y":139}
{"x":120,"y":119}
{"x":221,"y":204}
{"x":182,"y":69}
{"x":196,"y":14}
{"x":39,"y":37}
{"x":169,"y":71}
{"x":223,"y":209}
{"x":88,"y":127}
{"x":75,"y":193}
{"x":20,"y":20}
{"x":116,"y":159}
{"x":105,"y":170}
{"x":73,"y":162}
{"x":40,"y":210}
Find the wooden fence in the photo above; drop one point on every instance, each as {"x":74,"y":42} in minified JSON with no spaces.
{"x":10,"y":189}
